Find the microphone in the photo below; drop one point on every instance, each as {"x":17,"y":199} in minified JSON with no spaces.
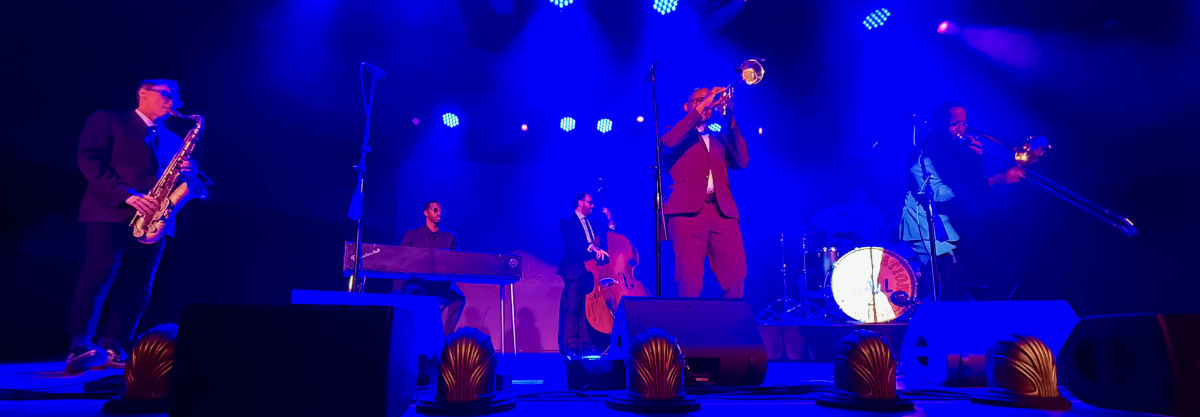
{"x":375,"y":71}
{"x":650,"y":73}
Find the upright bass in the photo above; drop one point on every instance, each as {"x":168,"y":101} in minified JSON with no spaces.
{"x":614,"y":279}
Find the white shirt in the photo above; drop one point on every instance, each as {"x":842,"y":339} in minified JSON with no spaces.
{"x":144,"y":118}
{"x":168,"y":142}
{"x":587,"y":230}
{"x":704,"y":139}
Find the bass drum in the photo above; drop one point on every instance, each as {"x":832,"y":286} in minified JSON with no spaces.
{"x":872,"y":285}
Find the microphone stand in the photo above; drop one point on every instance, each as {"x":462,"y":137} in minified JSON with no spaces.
{"x":931,"y":218}
{"x":660,"y":222}
{"x":357,"y":280}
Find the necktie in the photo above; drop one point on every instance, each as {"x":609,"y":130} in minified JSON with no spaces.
{"x":591,"y":235}
{"x":152,"y":136}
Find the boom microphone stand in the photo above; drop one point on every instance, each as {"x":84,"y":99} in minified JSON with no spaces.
{"x":356,"y":202}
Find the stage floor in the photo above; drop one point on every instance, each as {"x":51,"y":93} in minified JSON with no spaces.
{"x":539,"y":387}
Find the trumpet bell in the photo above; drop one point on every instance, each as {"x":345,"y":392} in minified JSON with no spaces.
{"x":752,"y":71}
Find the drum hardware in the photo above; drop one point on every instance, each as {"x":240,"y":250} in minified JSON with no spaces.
{"x":787,"y":310}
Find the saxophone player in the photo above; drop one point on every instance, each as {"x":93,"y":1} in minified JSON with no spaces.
{"x":121,"y":154}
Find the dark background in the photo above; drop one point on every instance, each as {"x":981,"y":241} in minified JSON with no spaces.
{"x":1113,"y":86}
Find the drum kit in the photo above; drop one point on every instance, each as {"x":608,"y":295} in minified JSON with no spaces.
{"x":839,"y":281}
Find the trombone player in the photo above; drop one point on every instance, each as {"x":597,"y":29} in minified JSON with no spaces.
{"x":702,"y":217}
{"x":121,"y":154}
{"x":947,"y":165}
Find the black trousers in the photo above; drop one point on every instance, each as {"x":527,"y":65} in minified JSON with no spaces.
{"x":117,"y":275}
{"x":952,"y":270}
{"x":449,"y":297}
{"x":572,"y":321}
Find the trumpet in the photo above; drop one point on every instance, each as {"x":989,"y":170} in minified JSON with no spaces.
{"x":751,"y":71}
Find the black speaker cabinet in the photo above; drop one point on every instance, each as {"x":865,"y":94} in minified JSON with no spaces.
{"x":1147,"y":363}
{"x":294,"y":360}
{"x":946,"y":342}
{"x":719,"y":338}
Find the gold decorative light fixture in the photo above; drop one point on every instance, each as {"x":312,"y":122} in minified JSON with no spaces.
{"x":864,"y":375}
{"x":466,"y":382}
{"x":654,"y":375}
{"x":148,"y":373}
{"x":1021,"y":373}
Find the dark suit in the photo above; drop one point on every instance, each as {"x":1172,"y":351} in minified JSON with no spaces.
{"x":577,"y":281}
{"x":699,"y":223}
{"x":449,"y":296}
{"x":118,"y":158}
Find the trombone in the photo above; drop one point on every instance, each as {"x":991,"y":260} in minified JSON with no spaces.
{"x":1021,"y":157}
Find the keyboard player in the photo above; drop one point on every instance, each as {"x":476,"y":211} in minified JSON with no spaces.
{"x":433,"y":235}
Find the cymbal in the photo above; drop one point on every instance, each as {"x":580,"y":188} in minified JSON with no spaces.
{"x":846,"y":217}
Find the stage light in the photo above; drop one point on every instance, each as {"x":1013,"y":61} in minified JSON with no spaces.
{"x":1021,"y":373}
{"x":567,"y":124}
{"x":416,"y":121}
{"x":466,"y":383}
{"x":864,"y":375}
{"x":760,"y":130}
{"x":595,"y":372}
{"x":715,"y":127}
{"x":947,"y":28}
{"x":604,"y":125}
{"x":654,"y":377}
{"x":562,"y":3}
{"x":149,"y":373}
{"x":876,"y":19}
{"x":641,"y":119}
{"x":524,"y":127}
{"x":450,"y":119}
{"x":665,"y":6}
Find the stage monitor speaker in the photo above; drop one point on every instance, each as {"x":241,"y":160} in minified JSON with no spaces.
{"x":946,"y":342}
{"x":719,"y":338}
{"x":1147,"y":363}
{"x":294,"y":360}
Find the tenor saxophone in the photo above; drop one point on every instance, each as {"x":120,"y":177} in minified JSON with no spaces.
{"x":172,"y":191}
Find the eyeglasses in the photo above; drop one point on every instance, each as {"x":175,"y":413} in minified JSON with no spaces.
{"x":167,"y":94}
{"x":957,"y":123}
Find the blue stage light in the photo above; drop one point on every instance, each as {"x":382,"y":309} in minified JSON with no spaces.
{"x":604,"y":125}
{"x":562,"y":3}
{"x":714,"y":127}
{"x":876,"y":19}
{"x":450,"y":119}
{"x":665,"y":6}
{"x":567,"y":124}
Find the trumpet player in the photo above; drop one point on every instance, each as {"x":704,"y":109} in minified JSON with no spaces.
{"x":702,"y":217}
{"x":121,"y":154}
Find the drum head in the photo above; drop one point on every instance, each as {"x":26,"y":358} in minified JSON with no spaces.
{"x":872,"y":285}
